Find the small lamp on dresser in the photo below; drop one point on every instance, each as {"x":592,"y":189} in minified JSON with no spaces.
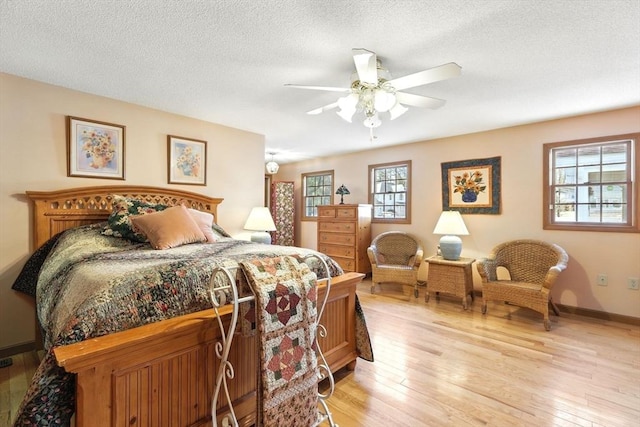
{"x":260,"y":222}
{"x":342,"y":191}
{"x":451,"y":225}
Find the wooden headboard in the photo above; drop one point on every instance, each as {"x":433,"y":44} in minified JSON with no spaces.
{"x":56,"y":211}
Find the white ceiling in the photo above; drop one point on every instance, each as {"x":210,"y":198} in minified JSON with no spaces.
{"x":226,"y":61}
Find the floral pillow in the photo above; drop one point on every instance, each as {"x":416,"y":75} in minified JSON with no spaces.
{"x":219,"y":231}
{"x":119,"y":222}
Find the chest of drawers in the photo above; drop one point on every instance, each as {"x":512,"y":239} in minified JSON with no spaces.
{"x":344,"y":233}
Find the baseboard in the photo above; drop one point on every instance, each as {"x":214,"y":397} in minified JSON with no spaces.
{"x":586,"y":312}
{"x":17,"y":349}
{"x":601,"y":315}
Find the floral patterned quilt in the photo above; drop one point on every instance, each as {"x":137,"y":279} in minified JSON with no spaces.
{"x":91,"y":285}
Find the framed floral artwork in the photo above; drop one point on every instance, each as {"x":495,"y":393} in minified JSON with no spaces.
{"x":471,"y":186}
{"x":95,"y":149}
{"x":187,"y":160}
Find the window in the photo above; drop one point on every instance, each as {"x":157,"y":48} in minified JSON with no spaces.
{"x":389,"y":192}
{"x":591,"y":184}
{"x":317,"y":188}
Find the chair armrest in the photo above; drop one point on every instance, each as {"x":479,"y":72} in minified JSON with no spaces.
{"x":419,"y":257}
{"x":551,"y":276}
{"x":487,"y":269}
{"x":372,"y":256}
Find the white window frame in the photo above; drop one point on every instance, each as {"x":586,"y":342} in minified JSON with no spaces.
{"x":390,"y":193}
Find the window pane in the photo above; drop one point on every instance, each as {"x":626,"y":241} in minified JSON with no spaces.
{"x":565,"y":176}
{"x":565,"y":157}
{"x":588,"y":174}
{"x":317,"y":191}
{"x":389,"y":191}
{"x":589,"y":155}
{"x":586,"y":213}
{"x":565,"y":194}
{"x":615,"y":153}
{"x":591,"y":183}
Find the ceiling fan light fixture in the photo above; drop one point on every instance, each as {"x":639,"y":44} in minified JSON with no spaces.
{"x":372,"y":121}
{"x":347,"y":114}
{"x":348,"y":102}
{"x":373,"y":90}
{"x":397,"y":110}
{"x":384,"y":100}
{"x":271,"y":166}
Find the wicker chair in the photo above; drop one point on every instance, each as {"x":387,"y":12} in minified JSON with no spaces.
{"x":533,"y":267}
{"x":395,"y":257}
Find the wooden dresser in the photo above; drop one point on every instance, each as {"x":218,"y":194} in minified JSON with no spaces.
{"x":344,"y":233}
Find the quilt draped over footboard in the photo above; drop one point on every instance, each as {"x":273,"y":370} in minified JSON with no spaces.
{"x":91,"y":285}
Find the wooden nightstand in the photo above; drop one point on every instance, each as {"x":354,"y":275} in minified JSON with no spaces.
{"x":452,"y":277}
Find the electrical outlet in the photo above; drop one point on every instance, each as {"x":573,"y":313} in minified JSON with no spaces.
{"x":632,"y":283}
{"x":602,"y":280}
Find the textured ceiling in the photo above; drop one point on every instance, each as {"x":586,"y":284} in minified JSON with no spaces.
{"x":227,"y":61}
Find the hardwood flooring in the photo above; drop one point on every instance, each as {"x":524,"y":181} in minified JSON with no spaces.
{"x":439,"y":365}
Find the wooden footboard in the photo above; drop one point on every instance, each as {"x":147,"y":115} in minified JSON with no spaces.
{"x":164,"y":373}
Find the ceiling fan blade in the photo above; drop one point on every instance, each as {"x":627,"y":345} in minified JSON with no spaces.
{"x":366,"y":66}
{"x":323,"y":109}
{"x":431,"y":75}
{"x":326,"y":88}
{"x":419,"y":101}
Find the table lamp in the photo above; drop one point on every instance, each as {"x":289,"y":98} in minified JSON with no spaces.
{"x":451,"y":225}
{"x":260,"y":222}
{"x":342,"y":191}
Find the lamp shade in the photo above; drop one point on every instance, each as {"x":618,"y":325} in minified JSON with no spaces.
{"x":260,"y":221}
{"x":272,"y":167}
{"x":451,"y":225}
{"x":451,"y":222}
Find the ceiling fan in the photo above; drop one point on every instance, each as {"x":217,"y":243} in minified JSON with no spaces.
{"x":373,"y":90}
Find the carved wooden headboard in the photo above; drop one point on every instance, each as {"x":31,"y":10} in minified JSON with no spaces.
{"x":56,"y":211}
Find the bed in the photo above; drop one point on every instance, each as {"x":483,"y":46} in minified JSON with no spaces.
{"x":163,"y":373}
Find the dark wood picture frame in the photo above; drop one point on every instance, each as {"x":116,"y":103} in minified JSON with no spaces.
{"x":472,"y":186}
{"x":95,"y":149}
{"x":186,"y":160}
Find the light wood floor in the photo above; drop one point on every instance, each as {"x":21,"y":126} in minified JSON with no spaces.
{"x":438,"y":365}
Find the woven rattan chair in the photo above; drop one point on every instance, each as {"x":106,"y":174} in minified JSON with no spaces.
{"x":533,"y":267}
{"x":395,"y":258}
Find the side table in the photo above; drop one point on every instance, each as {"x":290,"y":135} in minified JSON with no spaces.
{"x":452,"y":277}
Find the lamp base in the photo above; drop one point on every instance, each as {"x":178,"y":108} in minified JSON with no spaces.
{"x":451,"y":247}
{"x":261,"y":237}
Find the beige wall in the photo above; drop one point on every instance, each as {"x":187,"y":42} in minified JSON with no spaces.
{"x":591,"y":253}
{"x":32,"y":157}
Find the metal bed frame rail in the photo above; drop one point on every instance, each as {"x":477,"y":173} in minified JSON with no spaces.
{"x":223,"y":290}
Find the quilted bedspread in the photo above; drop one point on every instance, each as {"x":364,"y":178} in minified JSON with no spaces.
{"x":91,"y":285}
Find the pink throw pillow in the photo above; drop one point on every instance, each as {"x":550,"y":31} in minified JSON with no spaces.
{"x":204,"y":221}
{"x":170,"y":228}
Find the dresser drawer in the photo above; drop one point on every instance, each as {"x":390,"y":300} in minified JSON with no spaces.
{"x":340,"y":212}
{"x":337,"y":238}
{"x":340,"y":227}
{"x":326,"y":212}
{"x":347,"y":264}
{"x":346,"y":213}
{"x":337,"y":250}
